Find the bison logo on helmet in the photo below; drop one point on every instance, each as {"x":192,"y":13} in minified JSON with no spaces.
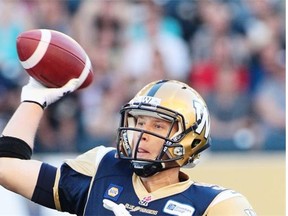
{"x":202,"y":116}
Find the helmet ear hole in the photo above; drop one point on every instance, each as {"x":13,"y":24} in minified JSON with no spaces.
{"x":195,"y":143}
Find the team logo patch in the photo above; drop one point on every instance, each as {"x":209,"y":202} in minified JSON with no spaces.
{"x":176,"y":208}
{"x":113,"y":192}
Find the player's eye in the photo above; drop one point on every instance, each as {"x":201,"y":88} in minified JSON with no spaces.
{"x":159,"y":126}
{"x":140,"y":124}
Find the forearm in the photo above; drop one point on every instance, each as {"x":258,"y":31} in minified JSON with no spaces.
{"x":17,"y":175}
{"x":17,"y":172}
{"x":24,"y":123}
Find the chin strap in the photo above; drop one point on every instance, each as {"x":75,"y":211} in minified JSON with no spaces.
{"x":149,"y":168}
{"x":146,"y":169}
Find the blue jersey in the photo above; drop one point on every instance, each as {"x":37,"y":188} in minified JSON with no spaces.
{"x":115,"y":180}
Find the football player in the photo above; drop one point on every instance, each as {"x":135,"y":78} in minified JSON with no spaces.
{"x":163,"y":128}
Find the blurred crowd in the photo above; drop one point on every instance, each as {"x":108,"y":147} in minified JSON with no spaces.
{"x":232,"y":52}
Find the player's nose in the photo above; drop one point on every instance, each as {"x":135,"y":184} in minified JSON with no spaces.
{"x":143,"y":137}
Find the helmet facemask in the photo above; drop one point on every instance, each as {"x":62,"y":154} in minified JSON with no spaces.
{"x":171,"y":150}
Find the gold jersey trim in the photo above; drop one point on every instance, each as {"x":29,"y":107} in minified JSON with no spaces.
{"x":55,"y":191}
{"x":169,"y":190}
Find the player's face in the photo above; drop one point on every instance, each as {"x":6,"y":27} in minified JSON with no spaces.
{"x":150,"y":146}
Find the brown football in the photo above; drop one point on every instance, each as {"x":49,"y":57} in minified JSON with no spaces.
{"x":53,"y":58}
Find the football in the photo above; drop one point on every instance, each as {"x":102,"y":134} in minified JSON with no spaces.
{"x":53,"y":58}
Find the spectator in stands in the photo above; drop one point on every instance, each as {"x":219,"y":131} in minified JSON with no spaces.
{"x":269,"y":98}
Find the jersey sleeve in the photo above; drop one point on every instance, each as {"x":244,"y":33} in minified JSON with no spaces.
{"x":230,"y":203}
{"x":43,"y":192}
{"x":73,"y":181}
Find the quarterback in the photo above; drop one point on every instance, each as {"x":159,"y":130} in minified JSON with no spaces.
{"x":163,"y":128}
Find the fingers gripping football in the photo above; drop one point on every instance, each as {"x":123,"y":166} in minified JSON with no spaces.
{"x":38,"y":93}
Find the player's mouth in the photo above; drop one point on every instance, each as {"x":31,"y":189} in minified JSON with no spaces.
{"x":142,"y":153}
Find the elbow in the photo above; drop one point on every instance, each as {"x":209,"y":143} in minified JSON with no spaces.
{"x":2,"y":167}
{"x":5,"y":166}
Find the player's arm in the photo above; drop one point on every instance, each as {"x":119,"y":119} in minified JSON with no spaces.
{"x":17,"y":172}
{"x":230,"y":203}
